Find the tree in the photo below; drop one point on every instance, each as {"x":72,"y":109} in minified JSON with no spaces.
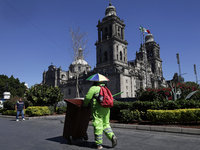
{"x":14,"y":86}
{"x":43,"y":95}
{"x":78,"y":40}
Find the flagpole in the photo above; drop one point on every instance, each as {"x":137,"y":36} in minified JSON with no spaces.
{"x":145,"y":59}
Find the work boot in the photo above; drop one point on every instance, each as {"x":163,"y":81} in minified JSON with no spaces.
{"x":94,"y":146}
{"x":114,"y":141}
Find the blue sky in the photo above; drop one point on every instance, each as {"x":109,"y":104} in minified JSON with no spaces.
{"x":35,"y":33}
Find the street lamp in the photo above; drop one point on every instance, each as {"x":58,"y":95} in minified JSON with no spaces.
{"x":178,"y":62}
{"x":195,"y":72}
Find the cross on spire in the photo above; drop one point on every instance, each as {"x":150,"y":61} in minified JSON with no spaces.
{"x":110,"y":3}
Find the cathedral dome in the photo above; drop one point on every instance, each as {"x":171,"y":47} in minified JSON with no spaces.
{"x":149,"y":38}
{"x":80,"y":62}
{"x":110,"y":10}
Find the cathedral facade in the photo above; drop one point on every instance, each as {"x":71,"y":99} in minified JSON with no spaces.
{"x":111,"y":61}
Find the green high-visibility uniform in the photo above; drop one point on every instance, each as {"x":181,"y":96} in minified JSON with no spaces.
{"x":100,"y":115}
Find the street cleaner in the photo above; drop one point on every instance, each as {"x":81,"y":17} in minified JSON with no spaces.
{"x":100,"y":114}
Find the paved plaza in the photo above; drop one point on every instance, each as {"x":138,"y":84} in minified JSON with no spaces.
{"x":46,"y":134}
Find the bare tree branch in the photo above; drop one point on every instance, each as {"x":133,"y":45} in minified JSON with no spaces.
{"x":78,"y":40}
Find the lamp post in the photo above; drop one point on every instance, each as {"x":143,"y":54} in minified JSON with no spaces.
{"x":195,"y":72}
{"x":178,"y":62}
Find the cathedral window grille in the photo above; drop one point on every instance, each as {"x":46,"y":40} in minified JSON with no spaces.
{"x":105,"y":56}
{"x":110,"y":52}
{"x":101,"y":33}
{"x":100,"y":55}
{"x":106,"y":33}
{"x":121,"y":34}
{"x":158,"y":53}
{"x":110,"y":28}
{"x":118,"y":31}
{"x":120,"y":55}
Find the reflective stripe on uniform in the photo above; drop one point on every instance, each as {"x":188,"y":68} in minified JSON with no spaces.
{"x":98,"y":137}
{"x":107,"y":130}
{"x":96,"y":95}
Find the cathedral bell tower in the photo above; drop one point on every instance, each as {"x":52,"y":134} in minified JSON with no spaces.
{"x":153,"y":57}
{"x":111,"y":46}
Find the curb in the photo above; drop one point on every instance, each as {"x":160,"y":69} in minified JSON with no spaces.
{"x":30,"y":118}
{"x":126,"y":126}
{"x":155,"y":128}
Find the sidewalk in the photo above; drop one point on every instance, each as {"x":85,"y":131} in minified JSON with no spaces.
{"x":125,"y":126}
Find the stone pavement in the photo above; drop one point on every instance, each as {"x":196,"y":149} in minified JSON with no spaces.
{"x":129,"y":126}
{"x":45,"y":133}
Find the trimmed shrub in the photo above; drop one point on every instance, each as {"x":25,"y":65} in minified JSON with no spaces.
{"x":38,"y":111}
{"x":11,"y":112}
{"x":51,"y":108}
{"x":129,"y":116}
{"x":117,"y":106}
{"x":178,"y":115}
{"x":61,"y":110}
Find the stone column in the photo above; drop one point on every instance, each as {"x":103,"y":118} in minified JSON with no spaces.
{"x":123,"y":36}
{"x":99,"y":34}
{"x":114,"y":52}
{"x":113,"y":30}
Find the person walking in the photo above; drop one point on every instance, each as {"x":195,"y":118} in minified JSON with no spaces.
{"x":100,"y":117}
{"x":19,"y":107}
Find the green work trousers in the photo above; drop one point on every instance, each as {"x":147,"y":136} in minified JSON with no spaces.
{"x":100,"y":118}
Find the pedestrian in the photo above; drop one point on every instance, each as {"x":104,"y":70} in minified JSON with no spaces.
{"x":19,"y":107}
{"x":100,"y":117}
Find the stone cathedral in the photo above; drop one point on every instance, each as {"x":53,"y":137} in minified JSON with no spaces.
{"x":111,"y":61}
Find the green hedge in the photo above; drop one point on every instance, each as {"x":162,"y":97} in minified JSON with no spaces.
{"x":129,"y":116}
{"x":143,"y":106}
{"x":11,"y":112}
{"x":178,"y":115}
{"x":61,"y":110}
{"x":117,"y":107}
{"x":38,"y":111}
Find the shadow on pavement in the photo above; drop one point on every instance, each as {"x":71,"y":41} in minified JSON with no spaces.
{"x":78,"y":142}
{"x":58,"y":139}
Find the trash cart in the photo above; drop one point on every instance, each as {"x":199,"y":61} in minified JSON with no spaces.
{"x":76,"y":120}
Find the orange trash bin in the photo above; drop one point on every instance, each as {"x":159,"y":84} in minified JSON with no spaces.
{"x":76,"y":120}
